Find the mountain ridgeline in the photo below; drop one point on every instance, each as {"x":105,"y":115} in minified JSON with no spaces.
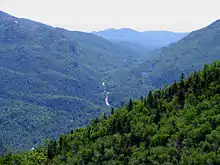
{"x":149,"y":39}
{"x":179,"y":124}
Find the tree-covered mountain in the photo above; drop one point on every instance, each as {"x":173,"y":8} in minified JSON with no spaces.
{"x":50,"y":78}
{"x":150,"y":39}
{"x":166,"y":64}
{"x":191,"y":53}
{"x":179,"y":124}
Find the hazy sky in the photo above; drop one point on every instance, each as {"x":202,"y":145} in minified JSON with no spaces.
{"x":90,"y":15}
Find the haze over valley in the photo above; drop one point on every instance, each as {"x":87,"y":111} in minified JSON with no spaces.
{"x":90,"y":90}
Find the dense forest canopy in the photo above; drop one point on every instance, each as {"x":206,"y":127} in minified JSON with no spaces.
{"x":178,"y":124}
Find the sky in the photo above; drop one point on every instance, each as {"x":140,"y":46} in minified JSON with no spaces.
{"x":94,"y":15}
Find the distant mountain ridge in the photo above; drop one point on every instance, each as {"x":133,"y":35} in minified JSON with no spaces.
{"x":154,"y":39}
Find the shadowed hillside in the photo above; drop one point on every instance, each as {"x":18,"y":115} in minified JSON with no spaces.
{"x":51,"y":78}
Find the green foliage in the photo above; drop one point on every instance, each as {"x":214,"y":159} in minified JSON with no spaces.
{"x":168,"y":131}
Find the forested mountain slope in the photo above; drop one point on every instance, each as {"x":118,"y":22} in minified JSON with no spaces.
{"x":187,"y":55}
{"x":191,"y":53}
{"x":179,"y":124}
{"x":50,"y":78}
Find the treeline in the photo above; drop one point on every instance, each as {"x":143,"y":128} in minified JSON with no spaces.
{"x":178,"y":124}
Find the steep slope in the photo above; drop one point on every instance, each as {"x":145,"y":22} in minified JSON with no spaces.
{"x":54,"y":73}
{"x":177,"y":125}
{"x":190,"y":53}
{"x":165,"y":66}
{"x":150,"y":39}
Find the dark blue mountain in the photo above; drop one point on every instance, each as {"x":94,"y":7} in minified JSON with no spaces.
{"x":152,"y":39}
